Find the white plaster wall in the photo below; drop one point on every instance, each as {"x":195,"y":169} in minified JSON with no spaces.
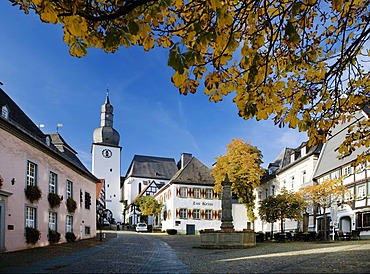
{"x":14,"y":154}
{"x":175,"y":202}
{"x":110,"y":170}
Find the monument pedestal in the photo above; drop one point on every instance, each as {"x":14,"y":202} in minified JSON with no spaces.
{"x":223,"y":239}
{"x":227,"y":237}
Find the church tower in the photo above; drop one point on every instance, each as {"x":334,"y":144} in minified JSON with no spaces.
{"x":106,"y":159}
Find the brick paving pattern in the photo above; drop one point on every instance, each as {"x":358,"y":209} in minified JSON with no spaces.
{"x":130,"y":252}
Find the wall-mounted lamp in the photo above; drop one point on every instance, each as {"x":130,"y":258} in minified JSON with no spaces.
{"x":13,"y":181}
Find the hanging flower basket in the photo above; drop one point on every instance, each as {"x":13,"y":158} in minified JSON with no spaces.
{"x":54,"y":200}
{"x":32,"y":235}
{"x":33,"y":193}
{"x":71,"y":205}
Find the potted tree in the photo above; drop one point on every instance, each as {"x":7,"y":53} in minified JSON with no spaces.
{"x":33,"y":193}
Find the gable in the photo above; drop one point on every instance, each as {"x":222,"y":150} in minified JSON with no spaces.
{"x":194,"y":172}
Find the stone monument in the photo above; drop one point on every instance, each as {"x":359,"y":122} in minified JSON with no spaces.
{"x":227,"y":237}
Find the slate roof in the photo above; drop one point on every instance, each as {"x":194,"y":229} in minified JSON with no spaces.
{"x":283,"y":160}
{"x":194,"y":172}
{"x":329,"y":160}
{"x":152,"y":167}
{"x":25,"y":127}
{"x":18,"y":118}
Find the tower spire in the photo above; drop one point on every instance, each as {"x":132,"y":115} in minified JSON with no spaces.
{"x":107,"y":99}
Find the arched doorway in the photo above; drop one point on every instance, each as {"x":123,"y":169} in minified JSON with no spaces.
{"x":345,"y":224}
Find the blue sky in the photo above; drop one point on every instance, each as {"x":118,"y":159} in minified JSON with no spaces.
{"x":151,"y":116}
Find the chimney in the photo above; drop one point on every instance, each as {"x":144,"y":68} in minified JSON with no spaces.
{"x":185,"y":158}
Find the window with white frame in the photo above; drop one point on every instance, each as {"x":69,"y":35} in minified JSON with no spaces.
{"x":183,"y":213}
{"x":361,"y":191}
{"x":183,"y":192}
{"x":347,"y":170}
{"x":30,"y":217}
{"x":303,"y":176}
{"x":284,"y":184}
{"x":209,"y":193}
{"x":196,"y":214}
{"x":197,"y":193}
{"x":208,"y":214}
{"x":335,"y":175}
{"x":31,"y":173}
{"x":69,"y":223}
{"x":53,"y":178}
{"x":5,"y":112}
{"x":69,"y":188}
{"x":52,"y":220}
{"x":348,"y":195}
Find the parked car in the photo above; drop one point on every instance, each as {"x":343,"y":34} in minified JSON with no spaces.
{"x":141,"y":227}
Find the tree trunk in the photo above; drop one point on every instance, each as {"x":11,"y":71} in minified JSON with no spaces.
{"x":282,"y":225}
{"x":325,"y":229}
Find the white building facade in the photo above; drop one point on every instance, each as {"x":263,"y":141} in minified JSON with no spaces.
{"x":106,"y":160}
{"x":351,"y":213}
{"x":189,"y":202}
{"x":291,"y":170}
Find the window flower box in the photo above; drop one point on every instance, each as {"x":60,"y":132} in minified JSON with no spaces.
{"x":54,"y":200}
{"x":54,"y":236}
{"x":32,"y":235}
{"x":71,"y":205}
{"x":33,"y":193}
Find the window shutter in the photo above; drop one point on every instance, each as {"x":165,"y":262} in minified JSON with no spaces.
{"x":169,"y":214}
{"x":190,"y":214}
{"x":202,"y":193}
{"x":177,"y":213}
{"x":202,"y":214}
{"x":177,"y":192}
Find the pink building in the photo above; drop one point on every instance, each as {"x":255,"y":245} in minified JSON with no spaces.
{"x":30,"y":158}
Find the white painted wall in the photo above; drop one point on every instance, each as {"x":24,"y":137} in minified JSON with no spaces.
{"x":110,"y":170}
{"x":172,"y":202}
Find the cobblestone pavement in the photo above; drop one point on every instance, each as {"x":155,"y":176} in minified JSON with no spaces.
{"x":130,"y":252}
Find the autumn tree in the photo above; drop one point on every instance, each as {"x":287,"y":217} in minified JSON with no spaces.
{"x":242,"y":165}
{"x":300,"y":62}
{"x":324,"y":195}
{"x":148,"y":205}
{"x":286,"y":205}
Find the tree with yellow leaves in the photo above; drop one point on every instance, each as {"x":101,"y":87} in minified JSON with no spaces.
{"x":300,"y":62}
{"x":324,"y":195}
{"x":242,"y":165}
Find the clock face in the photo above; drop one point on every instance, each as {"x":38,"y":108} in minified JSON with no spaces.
{"x":107,"y":153}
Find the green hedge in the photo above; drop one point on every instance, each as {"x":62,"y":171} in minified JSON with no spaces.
{"x":171,"y":231}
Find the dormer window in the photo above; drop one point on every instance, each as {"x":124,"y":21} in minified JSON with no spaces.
{"x":5,"y":112}
{"x":48,"y":140}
